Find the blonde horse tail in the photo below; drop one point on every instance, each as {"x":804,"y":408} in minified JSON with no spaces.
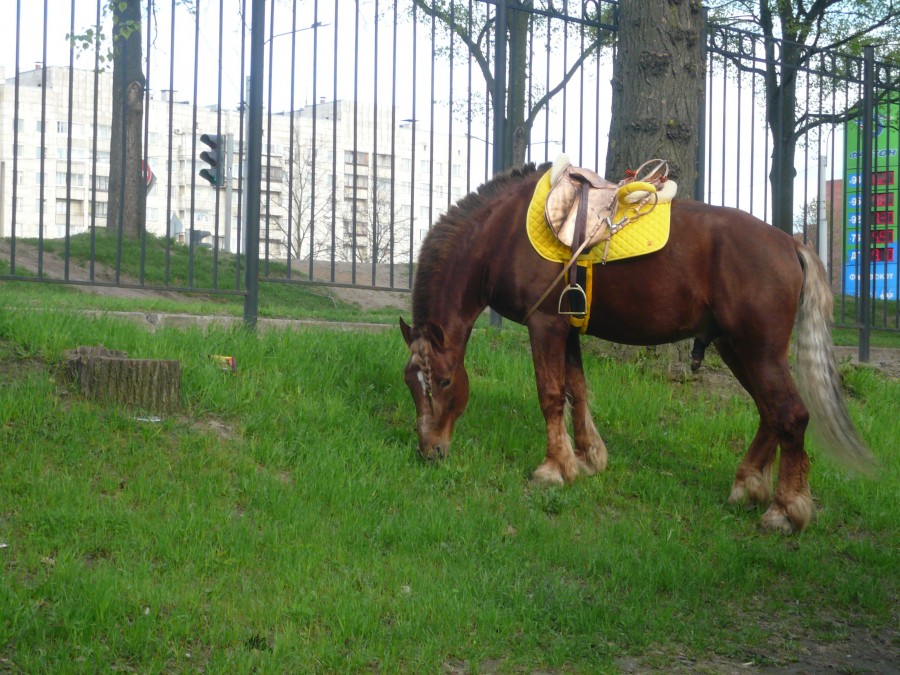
{"x":817,"y":375}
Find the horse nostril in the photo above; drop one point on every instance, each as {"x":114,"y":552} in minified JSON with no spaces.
{"x":439,"y":451}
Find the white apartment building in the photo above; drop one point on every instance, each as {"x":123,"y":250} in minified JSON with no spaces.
{"x":370,"y":185}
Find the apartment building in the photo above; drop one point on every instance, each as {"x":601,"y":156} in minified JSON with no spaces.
{"x":340,"y":179}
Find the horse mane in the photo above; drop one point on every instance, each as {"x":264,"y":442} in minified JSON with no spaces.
{"x":444,"y":238}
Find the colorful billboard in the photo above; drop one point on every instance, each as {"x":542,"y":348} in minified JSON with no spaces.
{"x":885,"y":206}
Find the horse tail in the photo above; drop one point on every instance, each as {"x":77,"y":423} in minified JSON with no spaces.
{"x":817,"y":375}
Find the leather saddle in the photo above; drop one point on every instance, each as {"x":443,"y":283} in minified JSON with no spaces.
{"x":583,"y":209}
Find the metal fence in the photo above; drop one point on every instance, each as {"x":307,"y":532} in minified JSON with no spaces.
{"x":818,"y":153}
{"x":341,"y":130}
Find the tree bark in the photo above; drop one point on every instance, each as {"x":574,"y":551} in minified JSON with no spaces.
{"x":110,"y":376}
{"x":127,"y":187}
{"x":658,"y":77}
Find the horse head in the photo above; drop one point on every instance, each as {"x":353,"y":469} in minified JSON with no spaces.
{"x":439,"y":385}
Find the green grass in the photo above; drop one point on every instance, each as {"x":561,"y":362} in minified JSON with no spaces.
{"x":199,"y":270}
{"x":283,"y":523}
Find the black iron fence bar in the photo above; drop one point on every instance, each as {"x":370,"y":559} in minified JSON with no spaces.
{"x":145,"y":163}
{"x":291,"y":144}
{"x":42,"y":149}
{"x":243,"y":154}
{"x":866,"y":215}
{"x":226,"y":153}
{"x":69,"y":120}
{"x":704,"y":58}
{"x":254,"y":161}
{"x":170,"y":150}
{"x":96,"y":119}
{"x":16,"y":146}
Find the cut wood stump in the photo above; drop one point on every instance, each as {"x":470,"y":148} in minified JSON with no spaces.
{"x":104,"y":375}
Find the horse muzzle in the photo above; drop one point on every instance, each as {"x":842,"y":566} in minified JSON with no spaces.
{"x":434,"y":451}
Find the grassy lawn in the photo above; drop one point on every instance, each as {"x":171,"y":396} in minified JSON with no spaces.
{"x":282,"y":522}
{"x":157,"y":262}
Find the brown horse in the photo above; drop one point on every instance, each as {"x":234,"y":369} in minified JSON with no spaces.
{"x":724,"y":278}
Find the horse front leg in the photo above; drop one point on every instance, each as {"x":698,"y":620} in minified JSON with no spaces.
{"x":590,"y":450}
{"x":548,"y":350}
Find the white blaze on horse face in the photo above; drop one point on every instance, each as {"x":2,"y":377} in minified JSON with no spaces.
{"x":421,"y":377}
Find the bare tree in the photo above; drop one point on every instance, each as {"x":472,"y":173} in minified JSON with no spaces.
{"x":805,"y":29}
{"x":378,"y":231}
{"x":391,"y":225}
{"x":475,"y":28}
{"x":311,"y":201}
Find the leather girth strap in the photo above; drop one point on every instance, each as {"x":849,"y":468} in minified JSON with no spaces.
{"x":576,"y":301}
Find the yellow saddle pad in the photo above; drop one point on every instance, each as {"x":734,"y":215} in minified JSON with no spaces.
{"x":644,"y":235}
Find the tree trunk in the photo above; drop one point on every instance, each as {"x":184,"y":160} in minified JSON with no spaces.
{"x":517,"y":135}
{"x":111,"y":377}
{"x":781,"y":101}
{"x":658,"y":78}
{"x":127,"y":187}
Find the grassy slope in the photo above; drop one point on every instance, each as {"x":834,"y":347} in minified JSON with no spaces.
{"x":201,"y":269}
{"x":284,"y":523}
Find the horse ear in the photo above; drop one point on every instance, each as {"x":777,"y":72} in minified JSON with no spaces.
{"x":436,"y":333}
{"x":406,"y":330}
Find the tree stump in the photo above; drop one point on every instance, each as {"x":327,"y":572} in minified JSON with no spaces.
{"x":109,"y":376}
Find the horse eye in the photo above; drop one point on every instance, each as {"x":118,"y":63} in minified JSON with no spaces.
{"x":445,"y":382}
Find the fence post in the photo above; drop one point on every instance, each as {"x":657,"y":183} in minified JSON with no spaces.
{"x":499,"y":98}
{"x":700,"y":180}
{"x":865,"y":264}
{"x":254,"y":161}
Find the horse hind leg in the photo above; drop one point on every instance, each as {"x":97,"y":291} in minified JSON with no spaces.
{"x":590,"y":450}
{"x":784,"y":418}
{"x":753,"y":480}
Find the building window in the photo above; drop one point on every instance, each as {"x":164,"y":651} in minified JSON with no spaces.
{"x":152,"y":213}
{"x":385,"y":161}
{"x":62,"y":127}
{"x":358,"y":158}
{"x":99,"y":208}
{"x":406,"y":164}
{"x":100,"y":183}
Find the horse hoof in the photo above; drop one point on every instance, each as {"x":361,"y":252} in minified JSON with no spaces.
{"x":754,"y":488}
{"x":548,"y":474}
{"x":738,"y":494}
{"x":592,"y":461}
{"x":775,"y":520}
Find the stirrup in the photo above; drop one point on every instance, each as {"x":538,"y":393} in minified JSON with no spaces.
{"x":579,"y":293}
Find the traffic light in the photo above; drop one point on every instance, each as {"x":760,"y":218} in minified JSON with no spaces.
{"x":215,"y":157}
